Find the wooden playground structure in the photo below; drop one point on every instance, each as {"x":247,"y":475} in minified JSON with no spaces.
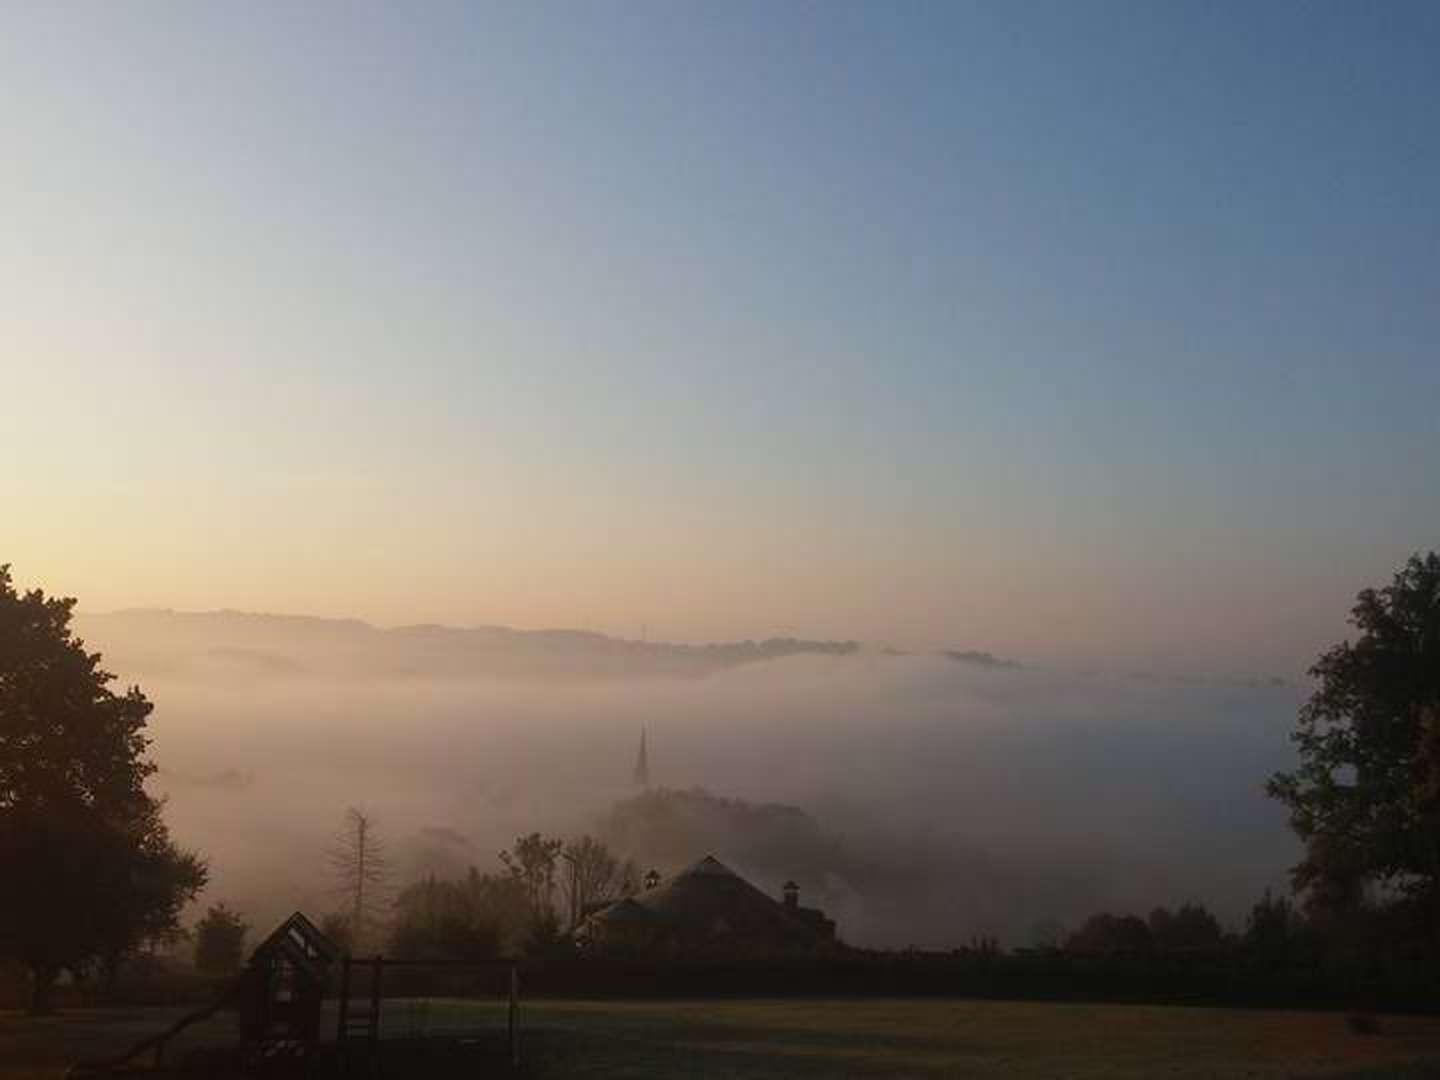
{"x":280,"y":999}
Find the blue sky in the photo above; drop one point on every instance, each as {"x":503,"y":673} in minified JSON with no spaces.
{"x":1078,"y":330}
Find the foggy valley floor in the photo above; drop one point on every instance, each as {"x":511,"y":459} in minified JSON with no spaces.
{"x":755,"y":1038}
{"x":947,"y":797}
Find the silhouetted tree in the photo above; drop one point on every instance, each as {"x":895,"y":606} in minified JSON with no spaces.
{"x":147,"y":892}
{"x":220,"y":941}
{"x":532,"y":862}
{"x":444,"y":920}
{"x":89,"y":869}
{"x":592,"y":873}
{"x":1365,"y":798}
{"x":1270,"y":931}
{"x":362,"y":873}
{"x":473,"y":918}
{"x":1047,"y":935}
{"x":1189,"y":929}
{"x":1111,"y":935}
{"x":546,"y":936}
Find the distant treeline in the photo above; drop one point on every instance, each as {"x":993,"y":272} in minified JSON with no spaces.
{"x":1228,"y":979}
{"x":1378,"y":959}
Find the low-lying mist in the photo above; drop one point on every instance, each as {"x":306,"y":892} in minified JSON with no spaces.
{"x":935,"y":797}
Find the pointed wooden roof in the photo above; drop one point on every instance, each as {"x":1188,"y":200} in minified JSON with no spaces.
{"x":300,"y":941}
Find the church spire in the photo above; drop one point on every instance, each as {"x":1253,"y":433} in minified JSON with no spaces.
{"x":642,"y":764}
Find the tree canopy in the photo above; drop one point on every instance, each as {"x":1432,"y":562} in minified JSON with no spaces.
{"x":220,"y":941}
{"x":471,"y":919}
{"x":91,"y":872}
{"x":532,"y":862}
{"x":1365,"y":798}
{"x":594,"y":874}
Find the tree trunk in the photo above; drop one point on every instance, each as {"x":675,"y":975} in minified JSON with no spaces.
{"x":112,"y":979}
{"x":41,"y":1003}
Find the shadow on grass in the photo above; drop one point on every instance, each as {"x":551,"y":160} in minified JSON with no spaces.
{"x":1419,"y":1070}
{"x":735,"y":1051}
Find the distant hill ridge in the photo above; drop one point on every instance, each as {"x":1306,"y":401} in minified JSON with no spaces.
{"x":162,"y":642}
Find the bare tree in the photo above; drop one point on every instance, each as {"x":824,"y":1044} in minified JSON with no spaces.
{"x":592,"y":873}
{"x":362,"y":872}
{"x":531,"y":862}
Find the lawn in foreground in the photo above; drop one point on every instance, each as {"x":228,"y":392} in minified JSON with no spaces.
{"x":844,"y":1038}
{"x":954,"y":1038}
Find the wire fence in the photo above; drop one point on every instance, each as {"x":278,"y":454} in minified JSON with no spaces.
{"x":381,"y":1000}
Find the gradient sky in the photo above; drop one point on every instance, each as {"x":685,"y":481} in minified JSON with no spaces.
{"x":1084,"y":332}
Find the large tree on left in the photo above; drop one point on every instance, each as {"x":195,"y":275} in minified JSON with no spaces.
{"x":87,"y":868}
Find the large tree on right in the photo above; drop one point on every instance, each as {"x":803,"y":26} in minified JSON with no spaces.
{"x":1365,"y":798}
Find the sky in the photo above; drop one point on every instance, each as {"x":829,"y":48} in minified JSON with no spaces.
{"x":1088,"y":333}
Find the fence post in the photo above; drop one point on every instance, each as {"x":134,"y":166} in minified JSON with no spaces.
{"x":375,"y":1006}
{"x":514,"y":1008}
{"x":344,"y":1009}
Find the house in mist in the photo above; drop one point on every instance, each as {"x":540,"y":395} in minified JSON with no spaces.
{"x":707,"y":908}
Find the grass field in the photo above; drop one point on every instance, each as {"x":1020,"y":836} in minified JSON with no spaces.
{"x":840,"y":1038}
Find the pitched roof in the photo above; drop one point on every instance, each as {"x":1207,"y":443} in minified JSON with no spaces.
{"x":302,"y":942}
{"x":709,"y":866}
{"x":709,"y":901}
{"x":630,"y":912}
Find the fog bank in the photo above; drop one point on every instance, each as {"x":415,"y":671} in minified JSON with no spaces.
{"x":938,"y":798}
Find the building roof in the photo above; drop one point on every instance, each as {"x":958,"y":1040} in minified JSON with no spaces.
{"x":629,"y":911}
{"x":302,"y":943}
{"x":707,"y":902}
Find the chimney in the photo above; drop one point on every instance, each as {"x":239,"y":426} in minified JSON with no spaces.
{"x":792,"y":894}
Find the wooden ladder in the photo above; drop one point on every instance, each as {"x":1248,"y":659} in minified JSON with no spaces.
{"x":358,"y":1030}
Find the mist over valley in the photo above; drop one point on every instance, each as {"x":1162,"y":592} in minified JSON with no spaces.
{"x":919,"y":798}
